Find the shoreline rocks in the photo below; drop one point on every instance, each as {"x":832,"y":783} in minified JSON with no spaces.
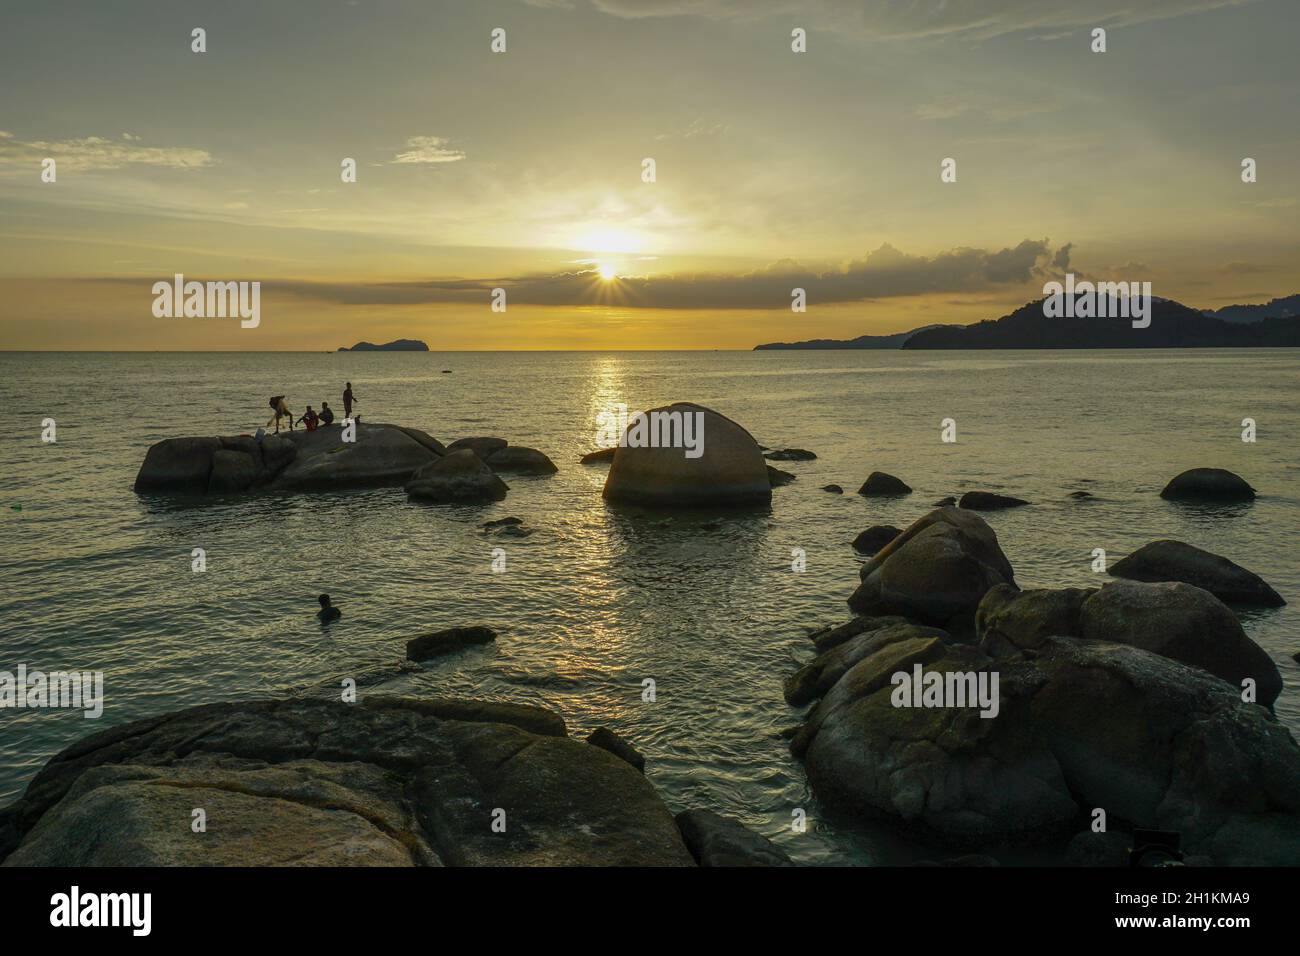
{"x":459,"y":477}
{"x":881,"y":485}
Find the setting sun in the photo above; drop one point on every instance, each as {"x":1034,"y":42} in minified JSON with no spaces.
{"x":606,"y":271}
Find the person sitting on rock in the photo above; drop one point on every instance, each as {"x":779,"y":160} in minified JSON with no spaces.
{"x":281,"y":409}
{"x":326,"y":414}
{"x":309,"y":418}
{"x":327,"y":611}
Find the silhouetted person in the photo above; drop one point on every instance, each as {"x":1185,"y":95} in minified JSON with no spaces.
{"x":326,"y":414}
{"x":327,"y":611}
{"x":348,"y":401}
{"x":281,"y":410}
{"x":309,"y":418}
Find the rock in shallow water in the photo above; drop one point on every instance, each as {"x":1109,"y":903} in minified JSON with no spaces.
{"x":715,"y":840}
{"x":517,"y":458}
{"x":778,"y":477}
{"x":729,"y":472}
{"x":606,"y":739}
{"x":988,"y":501}
{"x":1213,"y":484}
{"x":385,"y":781}
{"x":460,"y":477}
{"x":1176,"y":561}
{"x":880,"y":485}
{"x":875,"y":538}
{"x":446,"y":642}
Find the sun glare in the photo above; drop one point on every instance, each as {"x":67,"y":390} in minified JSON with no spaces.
{"x":606,"y":271}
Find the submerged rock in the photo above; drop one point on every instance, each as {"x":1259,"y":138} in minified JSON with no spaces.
{"x":1215,"y":484}
{"x":729,"y":472}
{"x":944,"y":502}
{"x":517,"y":458}
{"x":778,"y":477}
{"x":460,"y":477}
{"x":446,"y":642}
{"x":383,"y":782}
{"x":606,"y":739}
{"x":880,"y":485}
{"x":875,"y":538}
{"x":715,"y":840}
{"x":1175,"y":561}
{"x":790,"y":454}
{"x":988,"y":501}
{"x":936,"y":571}
{"x":833,"y":489}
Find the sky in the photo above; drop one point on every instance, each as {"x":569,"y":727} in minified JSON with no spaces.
{"x":524,"y":170}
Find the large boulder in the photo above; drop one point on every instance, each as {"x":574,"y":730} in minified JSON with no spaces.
{"x":1185,"y":623}
{"x":1176,"y":561}
{"x":425,"y":439}
{"x":381,"y":455}
{"x":881,"y":485}
{"x":823,"y":672}
{"x":177,"y":466}
{"x":936,"y":571}
{"x":517,"y":458}
{"x":385,"y":781}
{"x":729,"y":472}
{"x":459,"y":477}
{"x":1212,"y":484}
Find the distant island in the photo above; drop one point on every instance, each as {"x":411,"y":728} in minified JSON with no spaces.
{"x":894,"y":341}
{"x":397,"y":345}
{"x":1173,"y":325}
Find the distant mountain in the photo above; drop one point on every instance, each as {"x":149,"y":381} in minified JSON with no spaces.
{"x":894,"y":341}
{"x":398,"y":345}
{"x":1173,"y":325}
{"x":1276,"y":309}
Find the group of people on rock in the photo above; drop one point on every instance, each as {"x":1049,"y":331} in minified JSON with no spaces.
{"x":311,"y":418}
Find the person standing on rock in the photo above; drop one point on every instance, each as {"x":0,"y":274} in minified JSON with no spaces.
{"x":348,"y":400}
{"x":281,"y":409}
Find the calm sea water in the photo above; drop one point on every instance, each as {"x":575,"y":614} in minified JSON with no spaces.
{"x":94,"y":577}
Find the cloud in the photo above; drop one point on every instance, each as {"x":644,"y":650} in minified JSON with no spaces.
{"x":883,"y":273}
{"x":96,"y":152}
{"x":977,"y":19}
{"x":428,"y":149}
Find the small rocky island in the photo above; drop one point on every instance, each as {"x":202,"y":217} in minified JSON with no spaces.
{"x":397,"y":345}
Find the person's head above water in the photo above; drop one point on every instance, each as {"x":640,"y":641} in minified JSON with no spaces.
{"x":324,"y":600}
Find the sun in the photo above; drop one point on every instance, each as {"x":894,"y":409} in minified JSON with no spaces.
{"x":606,"y":270}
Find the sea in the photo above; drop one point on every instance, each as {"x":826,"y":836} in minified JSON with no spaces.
{"x":710,"y":606}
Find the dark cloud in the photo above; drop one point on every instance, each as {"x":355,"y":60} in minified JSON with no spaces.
{"x":884,"y":273}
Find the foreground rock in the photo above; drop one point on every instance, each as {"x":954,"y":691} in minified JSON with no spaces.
{"x":460,"y":477}
{"x":291,"y":461}
{"x":1183,"y":622}
{"x":935,"y":572}
{"x":730,"y":471}
{"x":447,"y":642}
{"x":382,"y":782}
{"x":988,"y":501}
{"x":1175,"y":561}
{"x":1078,"y":724}
{"x":881,"y":485}
{"x":1209,"y":484}
{"x":875,"y":538}
{"x":715,"y":840}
